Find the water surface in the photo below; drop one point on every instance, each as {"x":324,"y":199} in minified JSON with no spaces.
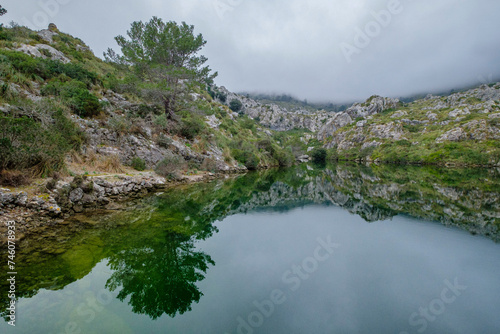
{"x":341,"y":249}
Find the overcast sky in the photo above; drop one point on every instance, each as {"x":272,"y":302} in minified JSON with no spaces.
{"x":329,"y":50}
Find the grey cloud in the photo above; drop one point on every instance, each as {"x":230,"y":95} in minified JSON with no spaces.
{"x":293,"y":46}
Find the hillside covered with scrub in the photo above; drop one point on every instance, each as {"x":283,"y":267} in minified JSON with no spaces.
{"x":65,"y":111}
{"x":154,"y":106}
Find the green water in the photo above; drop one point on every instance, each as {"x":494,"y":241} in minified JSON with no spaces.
{"x":309,"y":249}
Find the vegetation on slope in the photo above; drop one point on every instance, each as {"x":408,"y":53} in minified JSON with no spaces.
{"x":165,"y":86}
{"x":434,"y":131}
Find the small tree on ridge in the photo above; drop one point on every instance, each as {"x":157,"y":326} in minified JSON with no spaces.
{"x":164,"y":58}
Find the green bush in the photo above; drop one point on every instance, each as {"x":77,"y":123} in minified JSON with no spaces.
{"x":266,"y":145}
{"x":252,"y":161}
{"x":164,"y":141}
{"x":138,"y":164}
{"x":171,"y":165}
{"x":5,"y":34}
{"x":221,"y":96}
{"x":47,"y":68}
{"x":318,"y":155}
{"x":285,"y":158}
{"x":235,"y":105}
{"x":332,"y":155}
{"x":75,"y":94}
{"x":191,"y":127}
{"x":161,"y":121}
{"x":85,"y":104}
{"x":25,"y":144}
{"x":247,"y":123}
{"x":247,"y":158}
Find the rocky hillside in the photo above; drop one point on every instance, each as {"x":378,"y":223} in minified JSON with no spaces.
{"x":461,"y":129}
{"x":63,"y":109}
{"x":81,"y":115}
{"x":279,"y":118}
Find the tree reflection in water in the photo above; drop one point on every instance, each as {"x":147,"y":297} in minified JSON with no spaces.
{"x":160,"y":278}
{"x":150,"y":245}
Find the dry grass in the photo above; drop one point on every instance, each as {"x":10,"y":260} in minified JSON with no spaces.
{"x":111,"y":164}
{"x":14,"y":178}
{"x":93,"y":162}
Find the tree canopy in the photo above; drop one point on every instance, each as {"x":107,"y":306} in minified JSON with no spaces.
{"x":2,"y":10}
{"x":164,"y":57}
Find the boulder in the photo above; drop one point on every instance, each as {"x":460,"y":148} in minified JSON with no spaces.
{"x":457,"y":134}
{"x":34,"y":51}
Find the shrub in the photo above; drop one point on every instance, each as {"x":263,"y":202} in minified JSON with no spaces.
{"x":247,"y":158}
{"x":47,"y":68}
{"x":221,"y":96}
{"x":138,"y":164}
{"x":252,"y":161}
{"x":248,"y":123}
{"x":170,"y":165}
{"x":332,"y":155}
{"x":161,"y":121}
{"x":144,"y":110}
{"x":164,"y":141}
{"x":75,"y":95}
{"x":119,"y":123}
{"x":191,"y":127}
{"x":235,"y":105}
{"x":266,"y":145}
{"x":85,"y":104}
{"x":285,"y":158}
{"x":318,"y":155}
{"x":26,"y":144}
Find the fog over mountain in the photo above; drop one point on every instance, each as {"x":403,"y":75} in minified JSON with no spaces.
{"x":339,"y":51}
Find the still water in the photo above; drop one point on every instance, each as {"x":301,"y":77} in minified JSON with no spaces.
{"x":341,"y":249}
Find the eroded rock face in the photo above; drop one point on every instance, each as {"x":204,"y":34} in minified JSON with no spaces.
{"x":387,"y":131}
{"x":278,"y":118}
{"x":35,"y":51}
{"x":338,"y":121}
{"x":47,"y":35}
{"x":456,"y":134}
{"x":373,"y":105}
{"x":422,"y":116}
{"x":105,"y":141}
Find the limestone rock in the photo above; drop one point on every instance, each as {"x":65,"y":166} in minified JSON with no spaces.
{"x":47,"y":35}
{"x":75,"y":195}
{"x":338,"y":121}
{"x":399,"y":113}
{"x":459,"y":112}
{"x":456,"y":134}
{"x":212,"y":121}
{"x":387,"y":131}
{"x":34,"y":51}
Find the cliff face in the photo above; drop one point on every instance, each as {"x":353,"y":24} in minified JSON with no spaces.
{"x":279,"y":118}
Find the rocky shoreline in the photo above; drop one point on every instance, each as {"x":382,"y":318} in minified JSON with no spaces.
{"x":80,"y":194}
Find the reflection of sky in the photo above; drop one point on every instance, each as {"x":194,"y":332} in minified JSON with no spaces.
{"x":381,"y":273}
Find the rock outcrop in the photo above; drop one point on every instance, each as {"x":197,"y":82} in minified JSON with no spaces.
{"x":278,"y":118}
{"x":460,"y":117}
{"x":43,"y":51}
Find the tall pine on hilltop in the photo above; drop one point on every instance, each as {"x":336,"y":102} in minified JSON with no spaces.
{"x":164,"y":60}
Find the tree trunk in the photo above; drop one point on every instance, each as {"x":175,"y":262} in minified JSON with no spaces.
{"x":168,"y":108}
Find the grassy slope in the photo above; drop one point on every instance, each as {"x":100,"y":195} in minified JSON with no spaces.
{"x":418,"y":144}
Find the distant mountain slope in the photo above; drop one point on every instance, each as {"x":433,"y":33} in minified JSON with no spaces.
{"x":462,"y":128}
